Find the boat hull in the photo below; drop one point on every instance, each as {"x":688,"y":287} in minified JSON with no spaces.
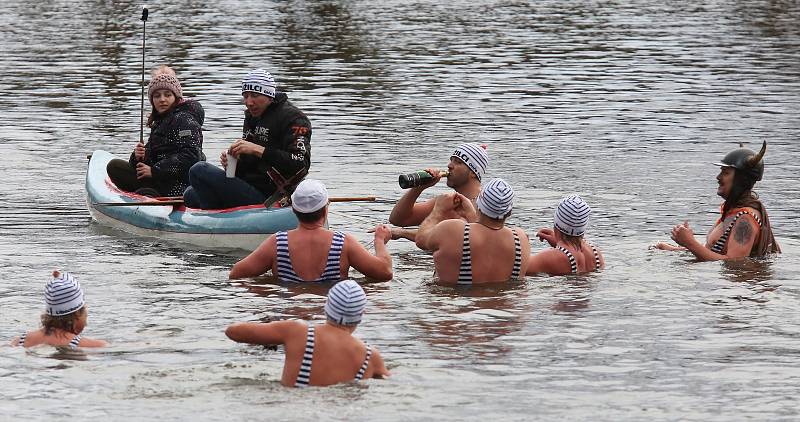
{"x":236,"y":228}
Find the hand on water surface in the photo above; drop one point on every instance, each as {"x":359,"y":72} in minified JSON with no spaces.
{"x":138,"y":152}
{"x":143,"y":171}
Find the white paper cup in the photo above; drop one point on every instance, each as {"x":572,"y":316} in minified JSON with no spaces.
{"x":230,"y":170}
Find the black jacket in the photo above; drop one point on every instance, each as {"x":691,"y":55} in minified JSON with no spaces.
{"x":175,"y":144}
{"x":285,"y":132}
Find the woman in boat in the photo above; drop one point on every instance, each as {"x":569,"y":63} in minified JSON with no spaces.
{"x":161,"y":167}
{"x":64,"y":318}
{"x":570,"y":252}
{"x":743,"y":228}
{"x":312,"y":253}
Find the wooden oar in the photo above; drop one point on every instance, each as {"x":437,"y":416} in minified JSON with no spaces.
{"x":178,"y":200}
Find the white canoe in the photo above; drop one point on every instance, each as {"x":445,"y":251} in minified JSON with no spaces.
{"x":240,"y":228}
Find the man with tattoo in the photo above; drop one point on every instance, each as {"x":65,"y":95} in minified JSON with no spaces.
{"x":743,"y":228}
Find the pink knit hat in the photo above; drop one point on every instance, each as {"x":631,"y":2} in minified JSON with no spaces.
{"x":164,"y":81}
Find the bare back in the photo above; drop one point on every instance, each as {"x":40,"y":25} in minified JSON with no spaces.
{"x":492,"y":253}
{"x":337,"y":356}
{"x":308,"y":253}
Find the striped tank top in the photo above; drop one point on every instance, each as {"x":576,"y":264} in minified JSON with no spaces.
{"x":465,"y":270}
{"x":332,"y":271}
{"x":305,"y":366}
{"x":719,"y":245}
{"x":73,"y":344}
{"x":573,"y":265}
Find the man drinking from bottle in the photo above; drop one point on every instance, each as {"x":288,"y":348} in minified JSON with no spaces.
{"x":466,"y":168}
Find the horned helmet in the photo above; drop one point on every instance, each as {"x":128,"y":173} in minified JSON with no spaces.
{"x":745,"y":160}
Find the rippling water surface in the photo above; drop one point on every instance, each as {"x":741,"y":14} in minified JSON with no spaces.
{"x":625,"y":103}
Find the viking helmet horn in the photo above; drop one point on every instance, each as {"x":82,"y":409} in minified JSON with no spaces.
{"x":754,"y":160}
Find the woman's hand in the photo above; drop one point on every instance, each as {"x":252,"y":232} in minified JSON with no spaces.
{"x":383,"y":233}
{"x":682,"y":234}
{"x":547,"y":235}
{"x":139,"y":151}
{"x":143,"y":171}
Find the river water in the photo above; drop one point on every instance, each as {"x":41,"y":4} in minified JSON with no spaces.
{"x":623,"y":102}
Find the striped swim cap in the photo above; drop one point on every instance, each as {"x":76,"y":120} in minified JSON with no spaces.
{"x":572,"y":216}
{"x":346,"y":302}
{"x":474,"y":156}
{"x":496,"y":199}
{"x":63,"y":295}
{"x":259,"y":81}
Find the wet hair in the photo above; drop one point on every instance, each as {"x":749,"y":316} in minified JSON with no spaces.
{"x":50,"y":323}
{"x":309,"y":217}
{"x":571,"y":240}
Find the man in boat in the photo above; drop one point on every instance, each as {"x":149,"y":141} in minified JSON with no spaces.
{"x":272,"y":157}
{"x":320,"y":354}
{"x":486,"y":251}
{"x":312,"y":253}
{"x":743,"y":228}
{"x":467,"y":166}
{"x":570,"y":252}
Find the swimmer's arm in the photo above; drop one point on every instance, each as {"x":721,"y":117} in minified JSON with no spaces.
{"x":89,"y":342}
{"x":542,"y":262}
{"x":378,"y":266}
{"x":408,"y":212}
{"x":664,"y":246}
{"x":379,"y":367}
{"x":403,"y":233}
{"x":261,"y":333}
{"x":739,"y":244}
{"x":258,"y":262}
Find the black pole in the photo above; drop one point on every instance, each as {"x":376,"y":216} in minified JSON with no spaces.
{"x":144,"y":31}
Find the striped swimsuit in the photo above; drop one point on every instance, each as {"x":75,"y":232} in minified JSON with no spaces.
{"x":465,"y":270}
{"x":574,"y":264}
{"x":332,"y":272}
{"x":305,"y":367}
{"x":73,"y":344}
{"x":719,"y":245}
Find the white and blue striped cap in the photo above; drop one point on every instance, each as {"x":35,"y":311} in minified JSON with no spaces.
{"x":474,"y":156}
{"x":63,"y":295}
{"x":259,"y":81}
{"x":572,"y":215}
{"x":496,"y":199}
{"x":346,"y":303}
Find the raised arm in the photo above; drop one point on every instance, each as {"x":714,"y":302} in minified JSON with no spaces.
{"x":258,"y":262}
{"x":261,"y":333}
{"x":407,"y":212}
{"x":378,"y":266}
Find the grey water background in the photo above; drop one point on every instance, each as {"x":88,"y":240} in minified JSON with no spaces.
{"x":625,"y":103}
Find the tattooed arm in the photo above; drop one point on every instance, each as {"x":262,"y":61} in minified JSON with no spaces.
{"x":739,"y":244}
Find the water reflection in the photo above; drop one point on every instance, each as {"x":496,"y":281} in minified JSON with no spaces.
{"x":572,"y":294}
{"x":466,"y":323}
